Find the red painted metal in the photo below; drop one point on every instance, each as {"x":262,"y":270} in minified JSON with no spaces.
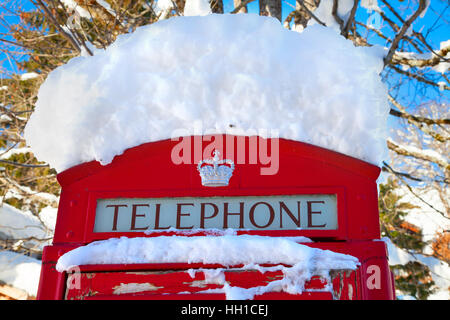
{"x":147,"y":171}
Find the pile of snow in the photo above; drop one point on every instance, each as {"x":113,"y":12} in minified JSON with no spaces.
{"x":26,"y":231}
{"x":228,"y":250}
{"x":20,"y":271}
{"x":233,"y":73}
{"x":48,"y":217}
{"x":17,"y":224}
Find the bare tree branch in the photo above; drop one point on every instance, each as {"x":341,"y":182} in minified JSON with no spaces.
{"x":351,"y":19}
{"x":414,"y":193}
{"x":56,"y":24}
{"x":401,"y":33}
{"x":17,"y":164}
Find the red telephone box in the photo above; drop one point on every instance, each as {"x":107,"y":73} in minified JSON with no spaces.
{"x":340,"y":213}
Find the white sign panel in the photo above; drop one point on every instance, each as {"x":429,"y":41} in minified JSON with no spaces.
{"x":308,"y":212}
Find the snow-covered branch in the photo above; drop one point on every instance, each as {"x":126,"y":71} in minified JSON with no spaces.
{"x":428,"y":155}
{"x":413,"y":59}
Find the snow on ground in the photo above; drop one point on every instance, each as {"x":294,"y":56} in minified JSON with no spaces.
{"x":22,"y":191}
{"x":227,"y":250}
{"x":20,"y":271}
{"x":17,"y":224}
{"x":16,"y":269}
{"x":48,"y":217}
{"x":239,"y":71}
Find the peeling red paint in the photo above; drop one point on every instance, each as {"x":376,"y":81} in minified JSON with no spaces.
{"x":157,"y":282}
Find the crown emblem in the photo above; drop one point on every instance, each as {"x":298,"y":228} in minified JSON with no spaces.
{"x":215,"y":172}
